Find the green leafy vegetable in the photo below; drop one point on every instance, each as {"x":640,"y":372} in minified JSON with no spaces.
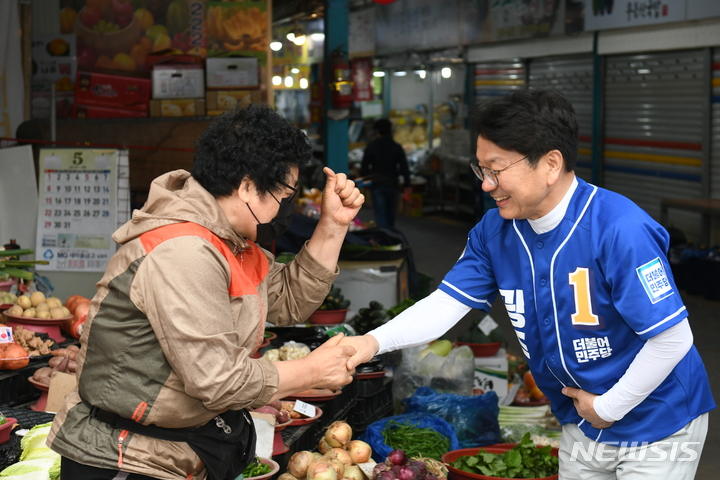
{"x":32,"y":469}
{"x":397,"y":309}
{"x":414,"y":440}
{"x":525,"y":460}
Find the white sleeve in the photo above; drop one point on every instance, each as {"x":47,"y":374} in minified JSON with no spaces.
{"x":653,"y":363}
{"x":425,"y":321}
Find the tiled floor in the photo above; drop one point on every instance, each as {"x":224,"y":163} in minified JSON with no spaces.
{"x":437,"y":241}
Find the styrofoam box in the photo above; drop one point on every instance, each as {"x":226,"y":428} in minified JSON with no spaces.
{"x":232,"y":72}
{"x":178,"y":81}
{"x":363,"y":282}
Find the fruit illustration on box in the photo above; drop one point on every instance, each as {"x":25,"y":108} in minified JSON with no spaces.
{"x":119,"y":34}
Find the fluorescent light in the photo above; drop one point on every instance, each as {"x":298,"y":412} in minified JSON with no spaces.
{"x":446,"y":72}
{"x":644,"y":71}
{"x":295,"y":70}
{"x":277,"y":80}
{"x":289,"y":82}
{"x":378,"y":73}
{"x":400,"y":73}
{"x":303,"y":83}
{"x":276,"y":46}
{"x":317,"y":37}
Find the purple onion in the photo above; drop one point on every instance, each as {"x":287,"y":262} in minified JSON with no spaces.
{"x":397,"y":457}
{"x":408,"y":472}
{"x":420,"y":465}
{"x":386,"y":476}
{"x":395,"y":469}
{"x":379,"y":468}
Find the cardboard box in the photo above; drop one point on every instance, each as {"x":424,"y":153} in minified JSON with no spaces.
{"x":178,"y":107}
{"x":178,"y":81}
{"x":232,"y":72}
{"x":169,"y":57}
{"x":92,"y":111}
{"x":112,"y":89}
{"x":40,"y":105}
{"x":491,"y":374}
{"x":228,"y":99}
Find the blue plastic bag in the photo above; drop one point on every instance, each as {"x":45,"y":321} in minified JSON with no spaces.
{"x":474,"y":418}
{"x":373,"y":434}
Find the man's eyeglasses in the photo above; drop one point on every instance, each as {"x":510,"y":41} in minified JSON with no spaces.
{"x":492,"y":175}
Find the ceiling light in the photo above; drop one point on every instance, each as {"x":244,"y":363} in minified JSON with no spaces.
{"x":289,"y":82}
{"x":295,"y":70}
{"x":277,"y":80}
{"x":378,"y":73}
{"x":643,"y":71}
{"x":297,"y":34}
{"x":276,"y":46}
{"x":400,"y":73}
{"x":303,"y":83}
{"x":446,"y":72}
{"x":420,"y":73}
{"x":317,"y":37}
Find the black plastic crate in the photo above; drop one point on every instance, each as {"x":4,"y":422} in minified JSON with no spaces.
{"x":15,"y":389}
{"x":369,"y":387}
{"x":27,"y":418}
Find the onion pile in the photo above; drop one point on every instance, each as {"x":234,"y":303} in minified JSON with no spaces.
{"x":398,"y":466}
{"x":337,"y":459}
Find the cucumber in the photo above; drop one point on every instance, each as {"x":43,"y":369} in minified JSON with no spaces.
{"x":376,"y":305}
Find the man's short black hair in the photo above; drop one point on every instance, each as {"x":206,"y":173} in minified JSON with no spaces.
{"x":383,"y":127}
{"x":255,"y":142}
{"x":531,"y":122}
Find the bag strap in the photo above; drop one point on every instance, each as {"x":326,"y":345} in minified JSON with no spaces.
{"x":153,"y":431}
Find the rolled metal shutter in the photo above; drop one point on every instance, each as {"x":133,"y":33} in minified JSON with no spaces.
{"x":715,"y":149}
{"x":495,"y":79}
{"x":573,"y":77}
{"x":654,"y":127}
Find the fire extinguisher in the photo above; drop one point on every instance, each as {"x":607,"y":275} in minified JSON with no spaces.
{"x":341,"y":87}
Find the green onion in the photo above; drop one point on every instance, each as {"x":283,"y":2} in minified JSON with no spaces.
{"x":414,"y":440}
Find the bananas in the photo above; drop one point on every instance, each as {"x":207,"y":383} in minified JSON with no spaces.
{"x":238,"y":29}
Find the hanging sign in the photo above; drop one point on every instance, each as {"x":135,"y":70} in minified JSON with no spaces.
{"x":362,"y":79}
{"x":77,"y":209}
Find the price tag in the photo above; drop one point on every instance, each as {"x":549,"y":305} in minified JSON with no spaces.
{"x":7,"y":337}
{"x":304,"y":408}
{"x":487,"y":325}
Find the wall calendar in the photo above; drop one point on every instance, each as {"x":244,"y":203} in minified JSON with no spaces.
{"x":77,"y":211}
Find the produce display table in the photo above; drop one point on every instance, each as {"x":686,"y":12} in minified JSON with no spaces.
{"x":361,"y":403}
{"x":707,"y":207}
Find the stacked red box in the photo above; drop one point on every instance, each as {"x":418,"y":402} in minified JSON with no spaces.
{"x":112,"y":94}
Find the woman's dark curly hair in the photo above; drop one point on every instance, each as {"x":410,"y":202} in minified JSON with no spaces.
{"x":255,"y":142}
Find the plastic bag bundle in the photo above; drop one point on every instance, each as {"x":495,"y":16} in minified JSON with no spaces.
{"x":452,"y":374}
{"x":373,"y":434}
{"x":474,"y":418}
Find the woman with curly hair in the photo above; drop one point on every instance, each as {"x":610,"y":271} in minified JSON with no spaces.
{"x":165,"y":371}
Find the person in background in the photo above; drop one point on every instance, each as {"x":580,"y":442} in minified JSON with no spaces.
{"x":166,"y":370}
{"x":584,"y":277}
{"x":383,"y":162}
